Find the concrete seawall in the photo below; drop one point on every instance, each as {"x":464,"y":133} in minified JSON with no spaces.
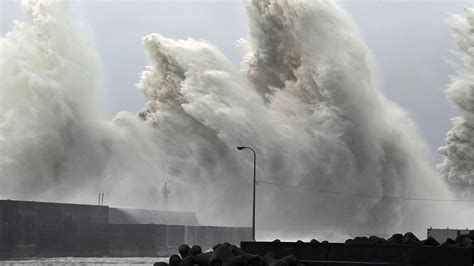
{"x":314,"y":254}
{"x":29,"y":229}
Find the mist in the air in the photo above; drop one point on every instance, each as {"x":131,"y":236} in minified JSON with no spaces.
{"x":306,"y":98}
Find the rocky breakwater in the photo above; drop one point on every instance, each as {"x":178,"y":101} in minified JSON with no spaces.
{"x":464,"y":240}
{"x":226,"y":254}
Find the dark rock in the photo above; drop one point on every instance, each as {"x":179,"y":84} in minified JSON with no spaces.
{"x":471,"y":234}
{"x":325,"y":242}
{"x":361,"y":240}
{"x":234,"y":261}
{"x":269,"y":258}
{"x":395,"y":239}
{"x":349,"y":241}
{"x":450,"y":241}
{"x":445,"y":245}
{"x":290,"y":260}
{"x":276,"y":241}
{"x":202,"y":259}
{"x":376,"y":240}
{"x":410,"y":239}
{"x":411,"y":235}
{"x":175,"y":260}
{"x":269,"y":254}
{"x":215,"y":262}
{"x":184,"y":250}
{"x":216,"y":247}
{"x":160,"y":263}
{"x":288,"y":251}
{"x":430,"y":241}
{"x":278,"y":263}
{"x":196,"y":250}
{"x":187,"y":261}
{"x":314,"y":241}
{"x":236,"y":251}
{"x":299,"y":242}
{"x":286,"y":261}
{"x":465,"y":241}
{"x":253,"y":260}
{"x":221,"y":255}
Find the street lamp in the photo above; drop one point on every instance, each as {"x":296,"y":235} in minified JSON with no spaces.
{"x":254,"y":183}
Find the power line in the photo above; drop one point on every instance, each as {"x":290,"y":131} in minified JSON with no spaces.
{"x":361,"y":195}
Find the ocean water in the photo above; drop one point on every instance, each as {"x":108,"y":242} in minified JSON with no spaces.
{"x":83,"y":261}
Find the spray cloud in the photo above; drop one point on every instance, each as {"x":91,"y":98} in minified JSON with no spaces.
{"x":305,"y":98}
{"x":457,"y":167}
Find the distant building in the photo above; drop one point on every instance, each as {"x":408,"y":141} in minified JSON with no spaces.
{"x":442,"y":234}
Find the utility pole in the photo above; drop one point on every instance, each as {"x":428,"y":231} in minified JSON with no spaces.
{"x":254,"y":185}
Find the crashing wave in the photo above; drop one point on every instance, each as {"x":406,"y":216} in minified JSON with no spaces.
{"x":458,"y":166}
{"x":306,"y":99}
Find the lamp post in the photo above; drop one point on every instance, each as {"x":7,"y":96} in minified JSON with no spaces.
{"x":254,"y":183}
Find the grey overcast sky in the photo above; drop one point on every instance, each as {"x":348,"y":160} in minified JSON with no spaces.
{"x":410,"y":39}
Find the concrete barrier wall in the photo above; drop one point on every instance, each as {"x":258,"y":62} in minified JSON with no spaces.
{"x":55,"y":229}
{"x":30,"y":228}
{"x":164,"y":240}
{"x":131,"y":239}
{"x":317,"y":254}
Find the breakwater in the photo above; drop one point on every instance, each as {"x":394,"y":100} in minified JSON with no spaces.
{"x":398,"y":250}
{"x":43,"y":229}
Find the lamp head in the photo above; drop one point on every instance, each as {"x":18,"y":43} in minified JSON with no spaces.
{"x":240,"y":148}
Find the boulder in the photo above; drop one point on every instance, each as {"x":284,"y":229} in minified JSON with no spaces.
{"x":202,"y":259}
{"x":174,"y":260}
{"x":376,"y":240}
{"x":221,"y":255}
{"x":410,"y":239}
{"x":349,"y":241}
{"x":465,"y":241}
{"x":254,"y":260}
{"x":214,"y":248}
{"x":196,"y":250}
{"x":395,"y":239}
{"x":187,"y":261}
{"x":236,"y":251}
{"x":290,"y":260}
{"x":430,"y":241}
{"x":288,"y":251}
{"x":450,"y":241}
{"x":184,"y":250}
{"x":361,"y":240}
{"x":269,"y":258}
{"x":286,"y":261}
{"x":235,"y":261}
